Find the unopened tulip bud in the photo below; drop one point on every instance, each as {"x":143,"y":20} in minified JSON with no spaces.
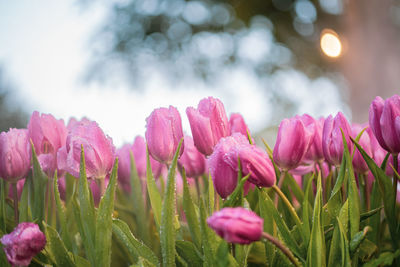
{"x":314,"y":152}
{"x":192,"y":160}
{"x":237,"y":225}
{"x":22,"y":244}
{"x":163,"y":133}
{"x":208,"y":123}
{"x":15,"y":154}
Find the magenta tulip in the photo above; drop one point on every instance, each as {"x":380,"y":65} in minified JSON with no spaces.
{"x":254,"y":161}
{"x":237,"y":225}
{"x":208,"y":123}
{"x":332,"y":141}
{"x":222,"y":173}
{"x":192,"y":160}
{"x":237,"y":124}
{"x":384,"y":120}
{"x":99,"y":151}
{"x":314,"y":152}
{"x":359,"y":164}
{"x":47,"y":135}
{"x":163,"y":133}
{"x":22,"y":244}
{"x":292,"y":143}
{"x":15,"y":154}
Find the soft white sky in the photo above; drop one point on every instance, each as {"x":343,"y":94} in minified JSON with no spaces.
{"x":44,"y":46}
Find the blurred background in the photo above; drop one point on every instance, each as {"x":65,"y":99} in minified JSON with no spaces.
{"x":115,"y":61}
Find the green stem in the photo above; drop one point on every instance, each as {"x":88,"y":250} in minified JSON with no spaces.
{"x":282,"y":248}
{"x":196,"y":179}
{"x":102,"y":185}
{"x":280,"y":182}
{"x":287,"y":203}
{"x":15,"y":196}
{"x":396,"y":167}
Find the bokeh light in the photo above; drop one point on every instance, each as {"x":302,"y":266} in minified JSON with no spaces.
{"x":331,"y":44}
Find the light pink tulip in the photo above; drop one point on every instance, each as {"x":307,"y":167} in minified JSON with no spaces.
{"x":192,"y":160}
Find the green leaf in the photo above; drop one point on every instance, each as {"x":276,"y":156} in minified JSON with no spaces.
{"x":337,"y":252}
{"x":367,"y":249}
{"x":268,"y":227}
{"x":316,"y":248}
{"x":375,"y":220}
{"x":55,"y":246}
{"x":25,"y":214}
{"x":223,"y":255}
{"x":211,"y":194}
{"x":297,"y":192}
{"x":140,"y":209}
{"x":81,"y":262}
{"x":357,"y":239}
{"x":134,"y":246}
{"x":65,"y":234}
{"x":287,"y":237}
{"x":384,"y":259}
{"x":87,"y":213}
{"x":154,"y":194}
{"x":167,"y":229}
{"x":386,"y":189}
{"x":340,"y":177}
{"x":3,"y":205}
{"x":104,"y":221}
{"x":190,"y":212}
{"x":39,"y":180}
{"x":208,"y":239}
{"x":189,"y":253}
{"x":306,"y":208}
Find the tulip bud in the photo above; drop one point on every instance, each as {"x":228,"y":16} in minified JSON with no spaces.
{"x":314,"y":152}
{"x":237,"y":225}
{"x":192,"y":160}
{"x":332,"y":141}
{"x":223,"y":175}
{"x":15,"y":154}
{"x":47,"y":135}
{"x":359,"y":164}
{"x":99,"y":151}
{"x":22,"y":244}
{"x":163,"y":133}
{"x":292,"y":143}
{"x":254,"y":161}
{"x":383,"y":115}
{"x":237,"y":124}
{"x":208,"y":123}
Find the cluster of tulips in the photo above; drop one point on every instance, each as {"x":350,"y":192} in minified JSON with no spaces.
{"x":324,"y":195}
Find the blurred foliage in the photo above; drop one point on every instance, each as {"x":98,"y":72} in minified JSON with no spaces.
{"x":12,"y":116}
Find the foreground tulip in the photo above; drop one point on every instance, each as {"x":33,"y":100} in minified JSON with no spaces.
{"x":99,"y":151}
{"x":237,"y":124}
{"x":138,"y":150}
{"x":15,"y":155}
{"x":237,"y":225}
{"x":223,"y":175}
{"x":47,"y":135}
{"x":192,"y":160}
{"x":22,"y":244}
{"x":384,"y":120}
{"x":254,"y":161}
{"x":292,"y":143}
{"x":163,"y":133}
{"x":208,"y":123}
{"x":332,"y":140}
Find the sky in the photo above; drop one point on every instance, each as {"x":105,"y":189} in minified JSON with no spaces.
{"x":45,"y":48}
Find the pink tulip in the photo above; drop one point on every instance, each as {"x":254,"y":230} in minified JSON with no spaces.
{"x":163,"y":133}
{"x":20,"y":187}
{"x":74,"y":122}
{"x":15,"y":154}
{"x":254,"y":161}
{"x":48,"y":135}
{"x":192,"y":160}
{"x":223,"y":175}
{"x":237,"y":225}
{"x":22,"y":244}
{"x":332,"y":141}
{"x":237,"y":124}
{"x":314,"y":152}
{"x":384,"y":120}
{"x":208,"y":123}
{"x":99,"y":151}
{"x":292,"y":143}
{"x":360,"y":166}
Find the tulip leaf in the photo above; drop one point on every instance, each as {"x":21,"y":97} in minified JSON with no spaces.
{"x":24,"y":208}
{"x":337,"y":252}
{"x":297,"y":192}
{"x":87,"y":212}
{"x":154,"y":194}
{"x":3,"y":205}
{"x":55,"y":246}
{"x":211,"y":194}
{"x":384,"y":259}
{"x":208,"y":238}
{"x":134,"y":246}
{"x":282,"y":227}
{"x":306,"y":208}
{"x":223,"y":255}
{"x":104,"y":221}
{"x":358,"y":239}
{"x":167,"y":229}
{"x":190,"y":212}
{"x":39,"y":180}
{"x":61,"y":215}
{"x":353,"y":193}
{"x":340,"y":177}
{"x":140,"y":209}
{"x":316,"y":247}
{"x":187,"y":251}
{"x":386,"y":189}
{"x":375,"y":219}
{"x":268,"y":227}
